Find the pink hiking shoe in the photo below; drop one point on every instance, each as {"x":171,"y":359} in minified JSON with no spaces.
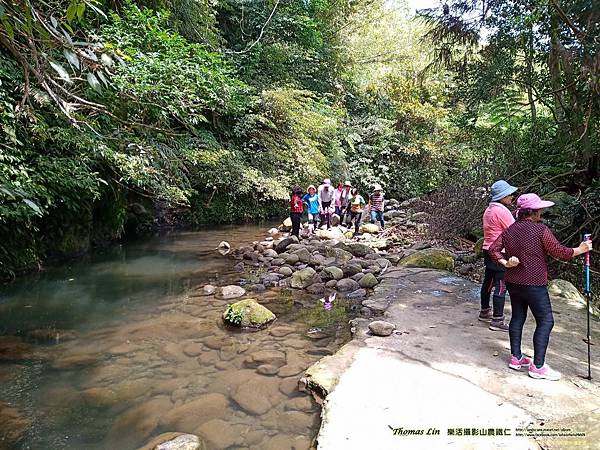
{"x":544,"y":373}
{"x":516,"y":363}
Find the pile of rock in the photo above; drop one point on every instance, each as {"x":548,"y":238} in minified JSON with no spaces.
{"x":330,"y":260}
{"x":320,"y":263}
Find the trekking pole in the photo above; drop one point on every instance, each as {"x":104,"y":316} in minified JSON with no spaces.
{"x":588,"y":296}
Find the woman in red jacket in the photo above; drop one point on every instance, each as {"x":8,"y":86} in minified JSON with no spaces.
{"x":296,"y":210}
{"x":522,"y":249}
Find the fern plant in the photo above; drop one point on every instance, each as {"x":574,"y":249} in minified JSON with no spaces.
{"x":233,"y":315}
{"x":507,"y":108}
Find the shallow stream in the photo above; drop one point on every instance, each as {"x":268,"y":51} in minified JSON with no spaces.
{"x":109,"y":352}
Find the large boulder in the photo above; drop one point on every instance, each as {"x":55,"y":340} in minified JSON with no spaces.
{"x":248,"y":313}
{"x":303,"y":254}
{"x":231,"y":292}
{"x":380,"y":244}
{"x":282,"y":245}
{"x":383,"y":262}
{"x":290,"y":258}
{"x":359,"y":293}
{"x":332,"y":273}
{"x":431,"y":258}
{"x":368,"y":281}
{"x":564,"y":291}
{"x":371,"y":228}
{"x":341,"y":256}
{"x":270,"y":253}
{"x":303,"y":278}
{"x":347,"y":285}
{"x":316,"y":289}
{"x":356,"y":248}
{"x":286,"y":271}
{"x":317,"y":260}
{"x":350,"y":269}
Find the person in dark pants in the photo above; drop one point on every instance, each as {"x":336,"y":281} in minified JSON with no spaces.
{"x":326,"y":193}
{"x":526,"y":244}
{"x":357,"y":204}
{"x":376,"y":205}
{"x":496,"y":218}
{"x":296,"y":210}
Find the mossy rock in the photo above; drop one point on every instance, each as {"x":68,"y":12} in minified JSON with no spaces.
{"x":566,"y":292}
{"x":248,"y":313}
{"x":303,"y":278}
{"x":430,"y":258}
{"x":356,"y":248}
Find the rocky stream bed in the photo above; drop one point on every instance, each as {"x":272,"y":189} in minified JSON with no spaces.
{"x":223,"y":365}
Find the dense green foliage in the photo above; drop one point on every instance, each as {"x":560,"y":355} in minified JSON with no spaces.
{"x":530,"y":95}
{"x":115,"y":111}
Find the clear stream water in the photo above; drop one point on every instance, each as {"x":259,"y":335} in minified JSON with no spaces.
{"x":109,"y":352}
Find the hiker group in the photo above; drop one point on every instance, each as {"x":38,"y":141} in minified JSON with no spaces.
{"x":344,"y":201}
{"x":514,"y":249}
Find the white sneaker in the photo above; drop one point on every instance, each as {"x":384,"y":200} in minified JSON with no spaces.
{"x":543,"y":373}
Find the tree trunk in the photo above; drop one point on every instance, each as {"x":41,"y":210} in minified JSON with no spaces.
{"x":555,"y":70}
{"x":529,"y":54}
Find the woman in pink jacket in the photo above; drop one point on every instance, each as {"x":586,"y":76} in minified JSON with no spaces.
{"x":496,"y":218}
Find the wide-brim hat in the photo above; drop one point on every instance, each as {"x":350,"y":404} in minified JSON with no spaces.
{"x":533,"y":201}
{"x":347,"y":183}
{"x":312,"y":186}
{"x":377,"y":187}
{"x":501,"y":189}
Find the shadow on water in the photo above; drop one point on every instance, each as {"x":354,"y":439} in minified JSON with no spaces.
{"x":108,"y":352}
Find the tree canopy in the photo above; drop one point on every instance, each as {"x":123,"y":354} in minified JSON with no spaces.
{"x":112,"y":110}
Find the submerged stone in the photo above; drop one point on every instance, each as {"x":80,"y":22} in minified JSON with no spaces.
{"x":233,"y":291}
{"x":182,"y":442}
{"x":209,"y":289}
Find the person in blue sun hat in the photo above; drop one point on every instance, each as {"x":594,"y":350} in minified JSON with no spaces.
{"x":496,"y":218}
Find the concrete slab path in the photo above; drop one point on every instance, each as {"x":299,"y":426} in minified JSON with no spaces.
{"x":442,"y":380}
